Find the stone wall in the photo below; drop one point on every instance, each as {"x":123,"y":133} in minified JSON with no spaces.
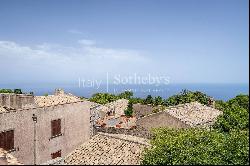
{"x":139,"y":131}
{"x":160,"y":119}
{"x":16,"y":101}
{"x":75,"y":128}
{"x":141,"y":110}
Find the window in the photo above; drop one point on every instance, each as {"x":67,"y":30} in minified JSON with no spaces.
{"x":56,"y":154}
{"x":7,"y":140}
{"x":56,"y":127}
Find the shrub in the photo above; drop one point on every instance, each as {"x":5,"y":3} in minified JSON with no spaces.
{"x":103,"y":98}
{"x":129,"y":111}
{"x":6,"y":91}
{"x":235,"y":114}
{"x":148,"y":100}
{"x":241,"y":101}
{"x":125,"y":95}
{"x":17,"y":91}
{"x":186,"y":97}
{"x":197,"y":146}
{"x":158,"y":100}
{"x":136,"y":100}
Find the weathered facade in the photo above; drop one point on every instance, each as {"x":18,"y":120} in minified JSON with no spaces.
{"x":34,"y":140}
{"x":161,"y":119}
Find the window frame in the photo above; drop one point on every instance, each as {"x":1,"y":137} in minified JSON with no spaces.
{"x":56,"y":128}
{"x":57,"y":154}
{"x":9,"y":146}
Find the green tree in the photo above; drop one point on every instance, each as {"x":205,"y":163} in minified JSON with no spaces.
{"x":136,"y":100}
{"x":6,"y":91}
{"x":235,"y":114}
{"x":149,"y":100}
{"x":158,"y":100}
{"x":17,"y":91}
{"x":126,"y":95}
{"x":187,"y":96}
{"x":197,"y":147}
{"x":241,"y":101}
{"x":129,"y":111}
{"x":103,"y":98}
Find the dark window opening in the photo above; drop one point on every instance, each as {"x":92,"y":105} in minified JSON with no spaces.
{"x":56,"y":127}
{"x":7,"y":140}
{"x":56,"y":154}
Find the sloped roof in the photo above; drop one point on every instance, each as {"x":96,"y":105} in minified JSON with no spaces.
{"x":195,"y":114}
{"x":103,"y":148}
{"x":55,"y":99}
{"x":7,"y":159}
{"x":2,"y":109}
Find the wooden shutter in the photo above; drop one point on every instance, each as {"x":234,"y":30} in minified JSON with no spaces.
{"x":56,"y":154}
{"x":2,"y":140}
{"x":58,"y":126}
{"x":7,"y":140}
{"x":55,"y":127}
{"x":10,"y":139}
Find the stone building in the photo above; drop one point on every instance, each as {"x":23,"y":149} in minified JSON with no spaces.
{"x":186,"y":115}
{"x":36,"y":129}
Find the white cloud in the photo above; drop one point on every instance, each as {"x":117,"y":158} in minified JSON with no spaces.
{"x":86,"y":42}
{"x":75,"y":31}
{"x":55,"y":61}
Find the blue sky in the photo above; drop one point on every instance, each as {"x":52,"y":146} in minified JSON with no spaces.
{"x":190,"y":41}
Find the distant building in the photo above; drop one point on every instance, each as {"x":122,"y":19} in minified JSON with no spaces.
{"x":36,"y":129}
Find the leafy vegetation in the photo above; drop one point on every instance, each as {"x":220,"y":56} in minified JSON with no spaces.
{"x":104,"y":98}
{"x":197,"y":146}
{"x":235,"y":114}
{"x":16,"y":91}
{"x":149,"y":100}
{"x":129,"y":111}
{"x":6,"y":91}
{"x":241,"y":101}
{"x":227,"y":143}
{"x":136,"y":100}
{"x":158,"y":100}
{"x":186,"y":97}
{"x":125,"y":95}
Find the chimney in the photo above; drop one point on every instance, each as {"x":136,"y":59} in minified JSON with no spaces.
{"x":59,"y":92}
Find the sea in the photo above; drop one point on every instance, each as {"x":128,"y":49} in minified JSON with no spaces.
{"x":217,"y":91}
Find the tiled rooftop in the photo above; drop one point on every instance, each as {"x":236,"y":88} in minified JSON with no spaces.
{"x":103,"y":148}
{"x":3,"y":109}
{"x":195,"y":114}
{"x":55,"y":99}
{"x":7,"y":159}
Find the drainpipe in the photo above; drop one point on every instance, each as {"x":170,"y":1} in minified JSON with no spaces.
{"x":34,"y":117}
